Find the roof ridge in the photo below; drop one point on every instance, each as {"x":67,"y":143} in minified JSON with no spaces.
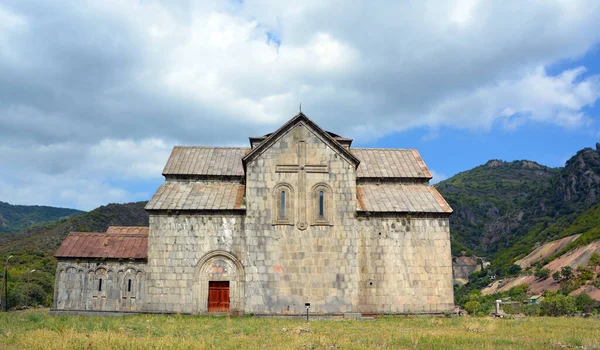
{"x":206,"y":147}
{"x":384,"y":149}
{"x":129,"y":226}
{"x":110,"y":233}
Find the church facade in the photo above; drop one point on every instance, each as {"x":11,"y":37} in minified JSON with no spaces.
{"x":298,"y":217}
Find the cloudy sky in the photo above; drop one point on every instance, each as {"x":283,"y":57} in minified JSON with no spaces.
{"x":94,"y":94}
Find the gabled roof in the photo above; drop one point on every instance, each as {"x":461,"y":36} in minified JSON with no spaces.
{"x":191,"y":196}
{"x":397,"y":198}
{"x":104,"y":245}
{"x":390,"y":163}
{"x":297,"y":119}
{"x":194,"y":160}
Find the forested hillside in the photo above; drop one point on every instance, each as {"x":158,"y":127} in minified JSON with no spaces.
{"x":14,"y":218}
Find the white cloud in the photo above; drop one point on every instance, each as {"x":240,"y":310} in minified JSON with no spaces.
{"x":93,"y":93}
{"x":81,"y":176}
{"x":437,"y":177}
{"x":538,"y":97}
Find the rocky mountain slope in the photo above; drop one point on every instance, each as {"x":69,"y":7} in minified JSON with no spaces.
{"x":14,"y":218}
{"x":504,"y":210}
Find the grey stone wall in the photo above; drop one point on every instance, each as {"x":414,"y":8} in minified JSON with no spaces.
{"x":405,"y":265}
{"x":77,"y":285}
{"x":179,"y":248}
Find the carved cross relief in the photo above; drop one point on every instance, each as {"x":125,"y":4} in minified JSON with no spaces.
{"x":302,"y":169}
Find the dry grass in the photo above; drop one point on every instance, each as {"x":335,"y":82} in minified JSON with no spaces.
{"x":37,"y":330}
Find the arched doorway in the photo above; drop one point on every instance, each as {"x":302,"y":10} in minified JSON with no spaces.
{"x":219,"y":284}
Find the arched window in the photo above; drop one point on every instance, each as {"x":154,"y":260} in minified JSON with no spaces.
{"x":101,"y":278}
{"x":322,"y":205}
{"x":283,"y":205}
{"x":130,"y":283}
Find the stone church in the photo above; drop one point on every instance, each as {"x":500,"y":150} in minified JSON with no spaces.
{"x":298,"y":217}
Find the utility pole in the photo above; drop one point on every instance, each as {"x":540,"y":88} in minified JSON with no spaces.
{"x":6,"y":284}
{"x":27,"y":288}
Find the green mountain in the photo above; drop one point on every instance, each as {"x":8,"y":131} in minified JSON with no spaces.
{"x":503,"y":209}
{"x":33,"y":249}
{"x":48,"y":237}
{"x":14,"y":218}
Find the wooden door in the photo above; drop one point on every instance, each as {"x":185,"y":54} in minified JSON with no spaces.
{"x":218,"y":296}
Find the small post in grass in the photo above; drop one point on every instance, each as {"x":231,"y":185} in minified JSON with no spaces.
{"x":307,"y":307}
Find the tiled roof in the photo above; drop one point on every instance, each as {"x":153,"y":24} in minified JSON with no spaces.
{"x":104,"y":245}
{"x":206,"y":161}
{"x":227,"y":161}
{"x":128,"y":229}
{"x":390,"y":163}
{"x":400,"y":198}
{"x":190,"y":196}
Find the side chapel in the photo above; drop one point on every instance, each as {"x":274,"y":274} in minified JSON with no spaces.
{"x":298,"y":217}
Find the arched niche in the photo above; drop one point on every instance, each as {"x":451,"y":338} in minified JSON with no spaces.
{"x":219,"y":266}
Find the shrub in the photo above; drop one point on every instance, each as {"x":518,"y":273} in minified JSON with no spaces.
{"x":531,"y":310}
{"x":542,"y":273}
{"x":472,"y":306}
{"x":585,"y":274}
{"x":567,"y":272}
{"x":583,"y":302}
{"x":567,"y":287}
{"x":557,"y":305}
{"x":556,"y":276}
{"x":518,"y":293}
{"x":594,"y":260}
{"x":514,"y":269}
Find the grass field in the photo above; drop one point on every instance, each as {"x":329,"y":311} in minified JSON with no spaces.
{"x":37,"y":330}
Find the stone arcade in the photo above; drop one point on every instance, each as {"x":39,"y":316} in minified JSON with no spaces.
{"x":299,"y":216}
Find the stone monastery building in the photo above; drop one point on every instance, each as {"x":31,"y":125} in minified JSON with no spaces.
{"x":298,"y":217}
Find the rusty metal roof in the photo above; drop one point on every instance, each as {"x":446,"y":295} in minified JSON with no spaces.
{"x":390,"y":163}
{"x":104,"y":245}
{"x":400,"y":199}
{"x":195,"y":160}
{"x":191,"y":196}
{"x":128,"y":229}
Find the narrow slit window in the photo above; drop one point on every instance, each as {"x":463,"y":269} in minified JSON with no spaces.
{"x":100,"y":285}
{"x":129,"y":286}
{"x":321,"y":204}
{"x":282,"y":209}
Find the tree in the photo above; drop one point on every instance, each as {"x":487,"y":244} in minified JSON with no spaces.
{"x":567,"y":272}
{"x":556,"y":276}
{"x":514,"y":269}
{"x":542,"y":273}
{"x":584,"y":302}
{"x":472,"y":306}
{"x":557,"y":305}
